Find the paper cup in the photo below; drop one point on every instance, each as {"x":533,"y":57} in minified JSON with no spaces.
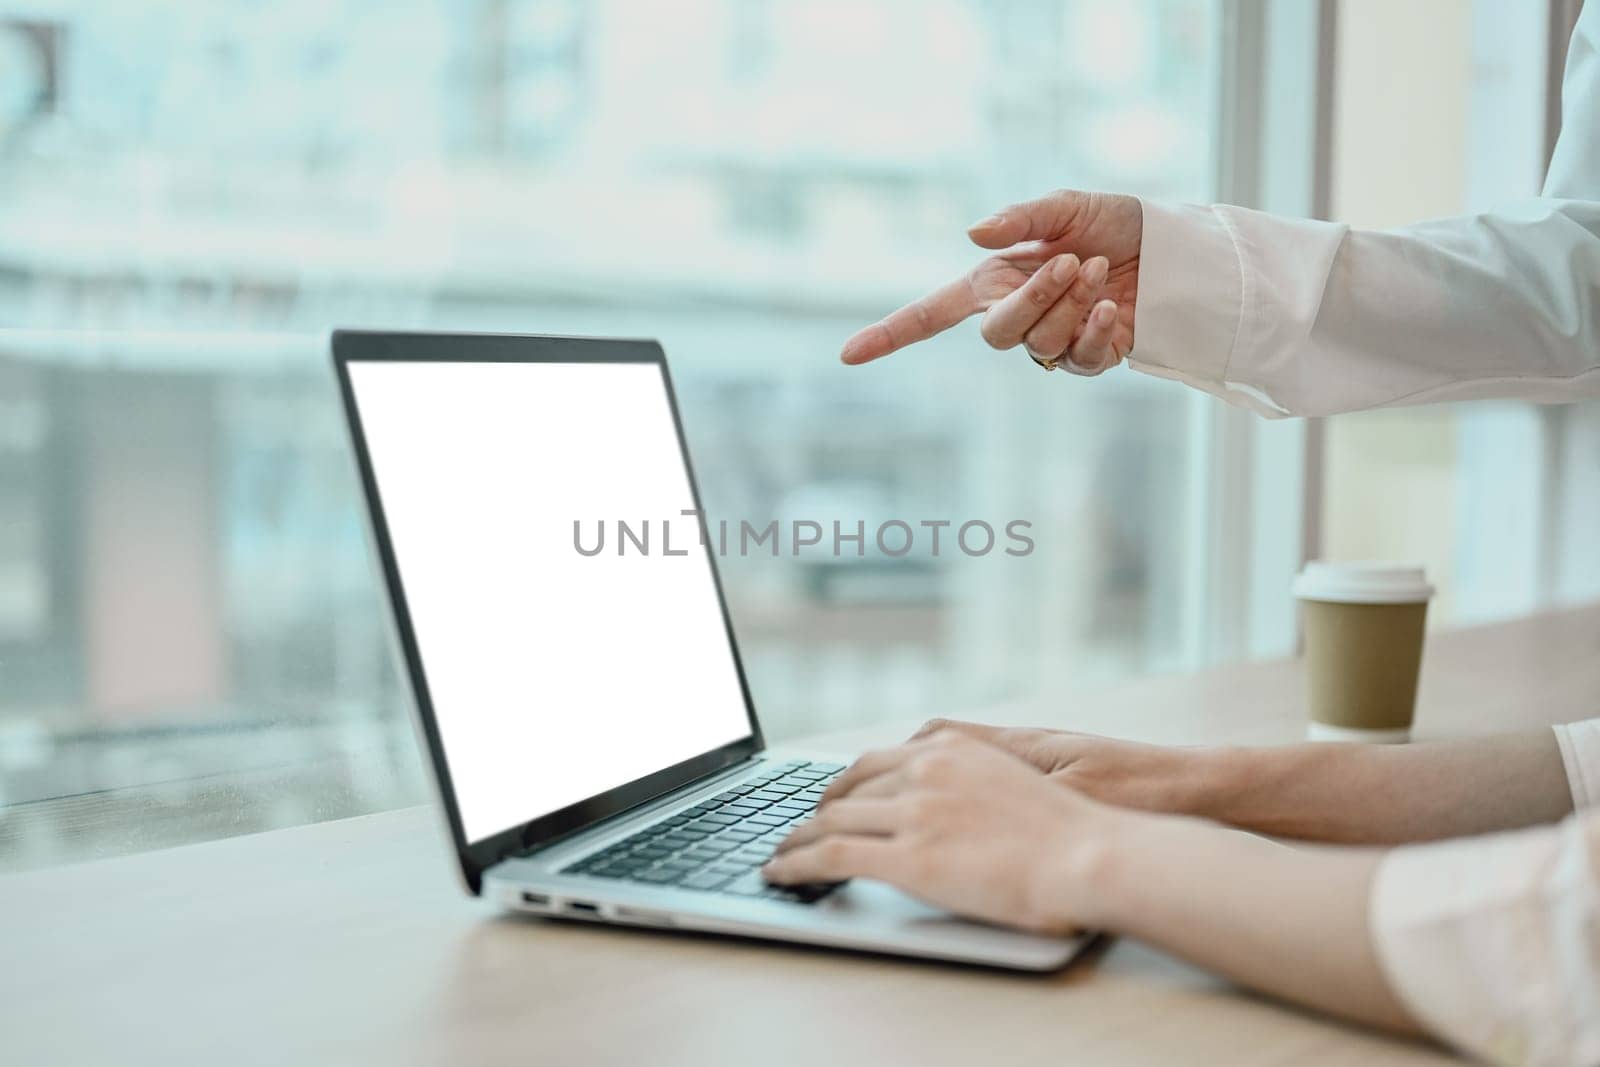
{"x":1363,"y":648}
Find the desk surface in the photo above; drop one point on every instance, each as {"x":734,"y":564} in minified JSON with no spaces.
{"x":347,"y":942}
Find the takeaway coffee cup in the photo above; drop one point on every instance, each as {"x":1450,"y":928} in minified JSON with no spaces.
{"x":1363,"y":634}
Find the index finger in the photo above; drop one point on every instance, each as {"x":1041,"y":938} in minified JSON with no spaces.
{"x":917,"y":321}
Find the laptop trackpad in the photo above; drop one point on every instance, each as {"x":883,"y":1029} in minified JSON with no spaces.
{"x":908,"y":922}
{"x":868,"y":899}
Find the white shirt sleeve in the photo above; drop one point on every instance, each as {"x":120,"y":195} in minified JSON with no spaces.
{"x":1493,"y":942}
{"x":1296,"y":316}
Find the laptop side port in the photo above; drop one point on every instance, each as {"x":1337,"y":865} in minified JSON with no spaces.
{"x":535,"y":900}
{"x":583,"y":907}
{"x":644,"y":918}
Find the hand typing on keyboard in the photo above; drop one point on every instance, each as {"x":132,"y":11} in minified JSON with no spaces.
{"x":719,"y":844}
{"x":960,"y":824}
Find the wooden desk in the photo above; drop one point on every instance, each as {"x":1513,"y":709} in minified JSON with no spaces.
{"x":348,"y":942}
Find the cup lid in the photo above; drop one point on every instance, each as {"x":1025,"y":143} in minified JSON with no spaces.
{"x":1362,"y":583}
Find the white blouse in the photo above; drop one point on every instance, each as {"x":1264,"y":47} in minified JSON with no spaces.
{"x":1493,"y":942}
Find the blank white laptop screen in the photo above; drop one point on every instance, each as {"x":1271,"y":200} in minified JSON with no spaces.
{"x":554,"y":676}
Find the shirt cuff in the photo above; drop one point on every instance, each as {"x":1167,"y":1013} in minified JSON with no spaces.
{"x":1580,"y":755}
{"x":1493,"y":943}
{"x":1191,"y":295}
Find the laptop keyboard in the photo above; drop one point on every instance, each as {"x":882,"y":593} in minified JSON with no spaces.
{"x":720,"y":844}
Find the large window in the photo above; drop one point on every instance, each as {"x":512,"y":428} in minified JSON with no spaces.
{"x":192,"y":640}
{"x":191,"y":635}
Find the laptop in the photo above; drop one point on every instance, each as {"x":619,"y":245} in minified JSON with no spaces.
{"x":585,"y":713}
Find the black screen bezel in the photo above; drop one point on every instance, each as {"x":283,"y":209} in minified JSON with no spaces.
{"x":350,"y":346}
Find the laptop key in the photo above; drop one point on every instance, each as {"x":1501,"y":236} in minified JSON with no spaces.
{"x":768,"y":795}
{"x":826,"y":768}
{"x":738,"y":835}
{"x":702,"y":849}
{"x":719,"y":845}
{"x":714,"y":820}
{"x":659,"y":876}
{"x":705,"y":880}
{"x":747,"y":885}
{"x":766,"y":820}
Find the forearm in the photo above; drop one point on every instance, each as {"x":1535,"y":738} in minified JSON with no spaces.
{"x":1379,"y":794}
{"x":1289,"y":922}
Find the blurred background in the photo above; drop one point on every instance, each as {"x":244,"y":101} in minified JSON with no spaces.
{"x":192,"y":640}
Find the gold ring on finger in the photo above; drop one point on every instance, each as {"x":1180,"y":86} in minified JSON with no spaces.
{"x":1047,"y":362}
